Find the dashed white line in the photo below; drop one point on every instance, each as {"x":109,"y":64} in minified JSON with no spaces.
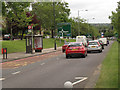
{"x":16,"y":72}
{"x":81,"y":79}
{"x":1,"y":79}
{"x":42,"y":64}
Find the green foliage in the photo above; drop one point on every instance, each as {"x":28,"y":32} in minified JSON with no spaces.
{"x":44,"y":12}
{"x":15,"y":13}
{"x":115,"y":18}
{"x":80,"y":27}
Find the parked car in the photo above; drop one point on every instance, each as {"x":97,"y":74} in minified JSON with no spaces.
{"x":94,"y":46}
{"x":76,"y":49}
{"x":7,"y":37}
{"x":101,"y":43}
{"x":64,"y":46}
{"x":104,"y":40}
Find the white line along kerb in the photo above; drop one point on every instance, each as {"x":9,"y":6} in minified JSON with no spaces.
{"x":81,"y":79}
{"x":16,"y":72}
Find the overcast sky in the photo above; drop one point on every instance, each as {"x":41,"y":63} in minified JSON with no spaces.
{"x":98,"y":9}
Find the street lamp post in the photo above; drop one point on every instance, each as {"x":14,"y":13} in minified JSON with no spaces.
{"x":88,"y":25}
{"x":78,"y":21}
{"x":30,"y":9}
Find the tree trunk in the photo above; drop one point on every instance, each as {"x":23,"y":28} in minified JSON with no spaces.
{"x":22,"y":33}
{"x":40,"y":29}
{"x":52,"y":33}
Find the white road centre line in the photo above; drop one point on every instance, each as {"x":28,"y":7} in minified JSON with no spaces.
{"x":1,"y":79}
{"x":81,"y":79}
{"x":42,"y":64}
{"x":16,"y":72}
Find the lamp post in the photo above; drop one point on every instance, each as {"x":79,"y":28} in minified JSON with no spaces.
{"x":88,"y":25}
{"x":54,"y":24}
{"x":78,"y":21}
{"x":30,"y":9}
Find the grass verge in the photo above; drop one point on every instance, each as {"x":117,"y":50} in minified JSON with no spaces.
{"x":109,"y":71}
{"x":19,"y":45}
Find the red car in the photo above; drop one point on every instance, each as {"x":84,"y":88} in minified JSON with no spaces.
{"x":76,"y":49}
{"x":64,"y":46}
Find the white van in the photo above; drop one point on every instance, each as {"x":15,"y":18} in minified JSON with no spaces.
{"x":104,"y":40}
{"x":82,"y":39}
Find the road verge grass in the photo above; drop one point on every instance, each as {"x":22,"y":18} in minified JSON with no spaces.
{"x":109,"y":71}
{"x":19,"y":45}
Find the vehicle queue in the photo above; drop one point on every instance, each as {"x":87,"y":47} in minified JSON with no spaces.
{"x":83,"y":45}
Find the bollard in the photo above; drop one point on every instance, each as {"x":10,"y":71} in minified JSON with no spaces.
{"x":68,"y":84}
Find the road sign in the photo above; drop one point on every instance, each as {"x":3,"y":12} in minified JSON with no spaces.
{"x":102,"y":34}
{"x":30,"y":28}
{"x":64,"y":29}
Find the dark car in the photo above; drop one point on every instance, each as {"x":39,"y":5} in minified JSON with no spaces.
{"x":7,"y":37}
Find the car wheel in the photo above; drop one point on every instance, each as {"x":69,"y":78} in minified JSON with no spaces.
{"x":67,"y":56}
{"x":84,"y":55}
{"x":88,"y":51}
{"x":63,"y":50}
{"x":100,"y":51}
{"x":102,"y":47}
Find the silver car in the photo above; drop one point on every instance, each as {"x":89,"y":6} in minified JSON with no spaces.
{"x":94,"y":46}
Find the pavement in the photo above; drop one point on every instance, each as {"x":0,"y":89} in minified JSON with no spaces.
{"x":20,"y":55}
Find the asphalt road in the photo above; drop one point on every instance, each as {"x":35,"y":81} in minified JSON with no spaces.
{"x":55,"y":71}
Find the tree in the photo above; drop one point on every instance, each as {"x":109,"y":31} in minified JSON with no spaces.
{"x":44,"y":13}
{"x":15,"y":13}
{"x":115,"y":19}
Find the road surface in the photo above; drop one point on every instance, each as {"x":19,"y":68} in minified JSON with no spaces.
{"x":55,"y":71}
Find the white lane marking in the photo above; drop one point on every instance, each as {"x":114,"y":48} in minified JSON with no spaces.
{"x":42,"y":64}
{"x":1,"y":79}
{"x":16,"y":72}
{"x":81,"y":79}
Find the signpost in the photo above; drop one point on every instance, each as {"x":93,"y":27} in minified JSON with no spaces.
{"x":64,"y":29}
{"x":102,"y":34}
{"x":30,"y":28}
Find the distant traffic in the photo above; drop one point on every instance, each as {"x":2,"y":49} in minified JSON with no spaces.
{"x":84,"y":45}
